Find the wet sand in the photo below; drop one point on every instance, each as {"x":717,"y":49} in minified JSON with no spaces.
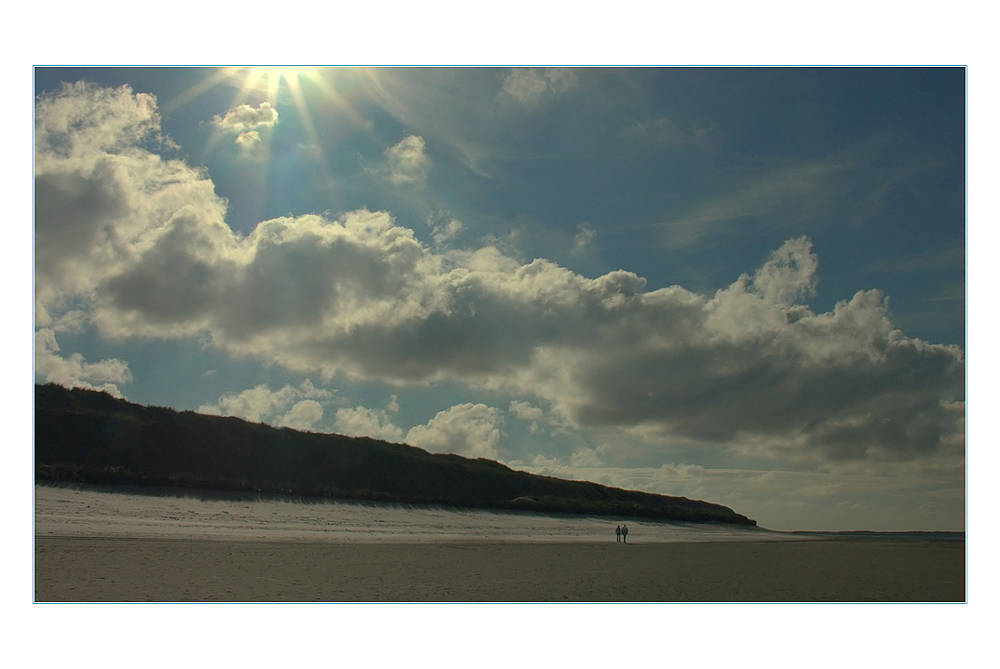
{"x":102,"y":569}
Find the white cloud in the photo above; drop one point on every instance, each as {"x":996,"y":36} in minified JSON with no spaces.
{"x":472,"y":430}
{"x":245,"y":117}
{"x":406,"y":161}
{"x":252,"y":404}
{"x":789,"y":274}
{"x":75,"y":371}
{"x":532,"y":414}
{"x":364,"y":422}
{"x":261,"y":404}
{"x":245,"y":122}
{"x":303,"y":415}
{"x":85,"y":119}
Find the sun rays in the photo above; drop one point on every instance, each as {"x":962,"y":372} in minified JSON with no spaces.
{"x":314,"y":92}
{"x":272,"y":78}
{"x":265,"y":88}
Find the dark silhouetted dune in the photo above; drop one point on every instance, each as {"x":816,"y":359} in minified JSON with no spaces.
{"x":91,"y":437}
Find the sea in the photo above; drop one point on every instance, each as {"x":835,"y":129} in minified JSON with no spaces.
{"x":170,"y":513}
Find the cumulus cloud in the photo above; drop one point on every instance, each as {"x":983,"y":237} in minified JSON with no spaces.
{"x":100,"y":198}
{"x":303,"y":415}
{"x":364,"y":422}
{"x":407,"y":162}
{"x":535,"y":416}
{"x":74,"y":371}
{"x":472,"y":430}
{"x":245,"y":118}
{"x":83,"y":118}
{"x":245,"y":122}
{"x":261,"y":404}
{"x":750,"y":367}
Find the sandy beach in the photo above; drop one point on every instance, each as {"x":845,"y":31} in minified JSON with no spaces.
{"x":96,"y":546}
{"x":105,"y":569}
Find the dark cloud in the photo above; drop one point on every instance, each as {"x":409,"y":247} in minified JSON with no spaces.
{"x":169,"y":283}
{"x":75,"y":210}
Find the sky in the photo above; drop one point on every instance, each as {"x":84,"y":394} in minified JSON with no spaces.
{"x":742,"y":285}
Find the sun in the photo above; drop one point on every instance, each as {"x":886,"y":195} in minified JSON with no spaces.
{"x":278,"y":78}
{"x":273,"y":76}
{"x":282,"y":86}
{"x":290,"y":72}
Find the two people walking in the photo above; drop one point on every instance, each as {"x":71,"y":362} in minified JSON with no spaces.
{"x":621,"y":533}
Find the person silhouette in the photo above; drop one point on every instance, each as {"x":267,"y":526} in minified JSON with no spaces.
{"x":625,"y":534}
{"x":618,"y":534}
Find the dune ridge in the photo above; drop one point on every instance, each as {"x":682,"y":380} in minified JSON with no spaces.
{"x":91,"y":437}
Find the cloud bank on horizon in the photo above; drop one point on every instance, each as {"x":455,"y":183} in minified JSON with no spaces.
{"x":137,"y":246}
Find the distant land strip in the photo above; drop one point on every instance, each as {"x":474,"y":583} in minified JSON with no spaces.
{"x":86,"y":436}
{"x":908,"y":535}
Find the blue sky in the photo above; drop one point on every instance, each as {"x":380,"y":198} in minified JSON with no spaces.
{"x":744,"y":285}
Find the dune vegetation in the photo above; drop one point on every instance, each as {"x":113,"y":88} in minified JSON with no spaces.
{"x":91,"y":437}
